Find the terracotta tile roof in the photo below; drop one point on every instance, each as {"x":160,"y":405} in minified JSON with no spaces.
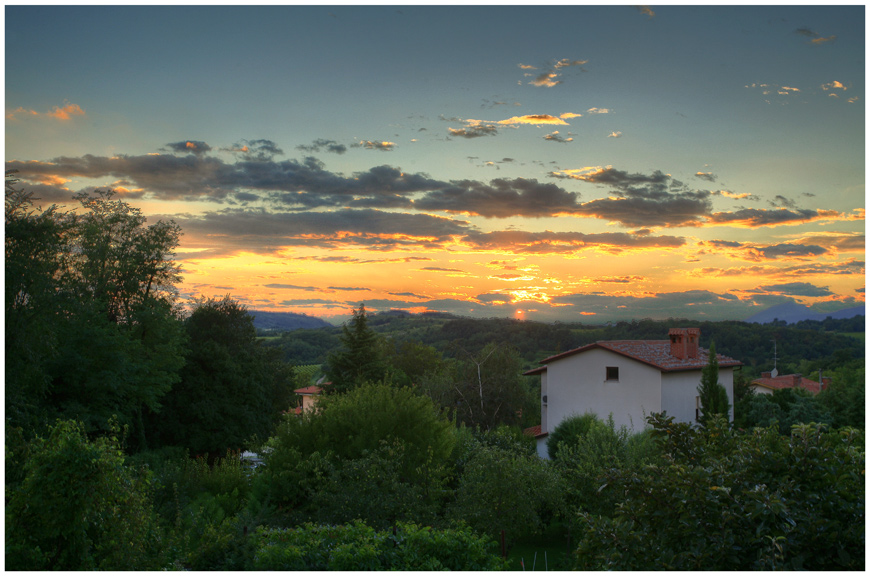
{"x":788,"y":381}
{"x":656,"y":353}
{"x":534,"y":431}
{"x":313,"y":390}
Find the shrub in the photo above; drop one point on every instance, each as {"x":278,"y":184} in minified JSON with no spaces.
{"x":600,"y":450}
{"x":502,"y":490}
{"x":351,"y":547}
{"x":79,"y":507}
{"x":730,"y":500}
{"x":568,"y":432}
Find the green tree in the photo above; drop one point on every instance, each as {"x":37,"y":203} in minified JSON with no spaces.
{"x":568,"y":432}
{"x":92,"y":328}
{"x":359,"y":360}
{"x":714,"y":397}
{"x":80,"y":507}
{"x":585,"y":459}
{"x":844,"y":397}
{"x":232,"y":388}
{"x":488,"y":389}
{"x":724,"y":499}
{"x":37,"y":243}
{"x":355,"y":425}
{"x":500,"y":489}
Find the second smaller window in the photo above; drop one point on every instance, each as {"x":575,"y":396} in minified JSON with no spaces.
{"x":613,"y":373}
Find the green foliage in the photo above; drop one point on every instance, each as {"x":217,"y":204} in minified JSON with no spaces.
{"x":844,"y":397}
{"x":360,"y":424}
{"x":596,"y":450}
{"x":485,"y":389}
{"x":232,"y":388}
{"x":349,"y":424}
{"x":91,"y":326}
{"x":714,"y":397}
{"x":730,"y":500}
{"x":36,"y":246}
{"x":80,"y":508}
{"x":360,"y":360}
{"x":373,"y":489}
{"x":569,"y":431}
{"x":782,"y":409}
{"x":353,"y":547}
{"x":500,"y":489}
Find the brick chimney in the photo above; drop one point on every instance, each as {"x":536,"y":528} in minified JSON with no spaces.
{"x":692,"y":345}
{"x":796,"y":379}
{"x":825,"y":383}
{"x":684,"y":342}
{"x":765,"y":374}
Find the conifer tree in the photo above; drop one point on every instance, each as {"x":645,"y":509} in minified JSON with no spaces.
{"x":360,"y":359}
{"x":714,"y":397}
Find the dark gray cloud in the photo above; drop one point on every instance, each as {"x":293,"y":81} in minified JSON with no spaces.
{"x":708,"y":176}
{"x":849,"y":267}
{"x":797,"y":289}
{"x":257,"y":150}
{"x":189,"y":147}
{"x":790,"y":251}
{"x":475,"y":131}
{"x":758,"y":217}
{"x":261,"y":231}
{"x":325,"y":145}
{"x":641,"y":200}
{"x":500,"y":198}
{"x":522,"y":242}
{"x":556,"y":137}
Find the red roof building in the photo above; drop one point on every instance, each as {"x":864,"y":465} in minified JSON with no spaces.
{"x":768,"y":383}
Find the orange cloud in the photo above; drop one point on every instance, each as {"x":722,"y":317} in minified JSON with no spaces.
{"x":66,"y":112}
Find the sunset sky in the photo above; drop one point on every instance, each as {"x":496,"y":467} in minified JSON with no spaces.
{"x":571,"y":163}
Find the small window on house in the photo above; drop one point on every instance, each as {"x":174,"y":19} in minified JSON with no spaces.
{"x":613,"y":373}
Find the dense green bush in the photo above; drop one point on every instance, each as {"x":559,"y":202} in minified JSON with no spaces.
{"x":501,"y":489}
{"x":352,"y":547}
{"x":79,"y":507}
{"x":568,"y":432}
{"x":349,"y":424}
{"x":602,"y":448}
{"x":731,"y":500}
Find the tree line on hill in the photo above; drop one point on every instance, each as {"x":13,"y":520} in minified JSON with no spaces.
{"x":126,"y":415}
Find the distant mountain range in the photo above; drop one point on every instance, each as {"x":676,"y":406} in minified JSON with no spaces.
{"x":286,"y":321}
{"x":792,"y":312}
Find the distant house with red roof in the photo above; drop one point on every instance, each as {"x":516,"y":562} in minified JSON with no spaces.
{"x":629,"y":379}
{"x":309,"y":396}
{"x":770,"y":382}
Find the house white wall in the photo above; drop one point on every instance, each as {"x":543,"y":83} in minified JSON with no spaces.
{"x":544,"y":401}
{"x":578,"y":384}
{"x":680,"y":390}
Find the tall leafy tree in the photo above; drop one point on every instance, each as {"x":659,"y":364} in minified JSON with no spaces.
{"x":37,"y":243}
{"x":714,"y":397}
{"x":360,"y":359}
{"x":91,"y":314}
{"x":232,"y":388}
{"x":488,"y":388}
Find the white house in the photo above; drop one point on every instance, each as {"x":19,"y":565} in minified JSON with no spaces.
{"x":629,"y":379}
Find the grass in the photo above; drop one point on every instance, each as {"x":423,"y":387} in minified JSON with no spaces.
{"x":547,"y":551}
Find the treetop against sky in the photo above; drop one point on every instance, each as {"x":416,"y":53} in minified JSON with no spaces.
{"x":565,"y":162}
